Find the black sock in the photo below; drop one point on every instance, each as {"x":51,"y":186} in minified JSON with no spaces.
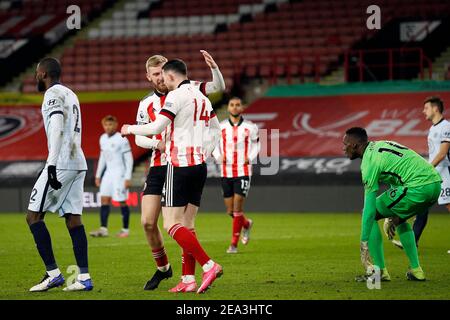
{"x":44,"y":244}
{"x":125,"y":216}
{"x":80,"y":247}
{"x":419,"y":225}
{"x":104,"y":213}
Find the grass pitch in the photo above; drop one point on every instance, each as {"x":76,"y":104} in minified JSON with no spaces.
{"x":290,"y":256}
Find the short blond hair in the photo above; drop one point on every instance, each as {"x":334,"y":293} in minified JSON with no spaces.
{"x":155,"y":61}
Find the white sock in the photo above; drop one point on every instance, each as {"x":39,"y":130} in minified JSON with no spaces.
{"x":54,"y":273}
{"x":126,"y":230}
{"x":207,"y":266}
{"x":83,"y":276}
{"x":188,"y":278}
{"x":164,"y":268}
{"x":104,"y":229}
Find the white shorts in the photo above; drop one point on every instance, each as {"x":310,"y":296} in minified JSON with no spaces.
{"x":113,"y":186}
{"x":68,"y":199}
{"x":444,"y":197}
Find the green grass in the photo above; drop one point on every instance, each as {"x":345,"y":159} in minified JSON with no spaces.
{"x":290,"y":256}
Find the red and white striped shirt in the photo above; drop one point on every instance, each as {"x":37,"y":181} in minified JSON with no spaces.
{"x":237,"y":148}
{"x":149,"y":107}
{"x":188,"y":134}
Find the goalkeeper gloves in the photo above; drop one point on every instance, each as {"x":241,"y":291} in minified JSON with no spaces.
{"x":52,"y":179}
{"x":365,"y":257}
{"x":389,"y":228}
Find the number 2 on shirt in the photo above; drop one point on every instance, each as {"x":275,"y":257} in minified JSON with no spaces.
{"x":204,"y":114}
{"x":76,"y":113}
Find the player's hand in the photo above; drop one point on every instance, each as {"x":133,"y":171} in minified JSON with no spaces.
{"x":208,"y":59}
{"x":124,"y":130}
{"x":389,"y":228}
{"x":52,"y":178}
{"x":127,"y":184}
{"x":247,"y":162}
{"x":365,"y":256}
{"x":161,"y":146}
{"x":97,"y":182}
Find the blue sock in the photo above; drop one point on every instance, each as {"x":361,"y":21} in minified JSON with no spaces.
{"x":419,"y":225}
{"x":125,"y":216}
{"x":44,"y":244}
{"x":80,"y":247}
{"x":104,"y":213}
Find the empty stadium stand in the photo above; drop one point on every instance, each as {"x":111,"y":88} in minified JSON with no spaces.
{"x":30,"y":28}
{"x":249,"y":39}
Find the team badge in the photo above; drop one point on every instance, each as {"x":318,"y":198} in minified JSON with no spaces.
{"x":18,"y":124}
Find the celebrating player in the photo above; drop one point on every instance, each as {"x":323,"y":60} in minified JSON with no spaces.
{"x":414,"y":187}
{"x":237,"y":148}
{"x":60,"y":185}
{"x":438,"y":148}
{"x":113,"y":176}
{"x":194,"y":131}
{"x":149,"y":107}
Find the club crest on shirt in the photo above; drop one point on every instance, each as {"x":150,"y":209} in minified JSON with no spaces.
{"x":141,"y":115}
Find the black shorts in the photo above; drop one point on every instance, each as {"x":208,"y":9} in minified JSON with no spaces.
{"x":155,"y":180}
{"x":239,"y":185}
{"x":184,"y":185}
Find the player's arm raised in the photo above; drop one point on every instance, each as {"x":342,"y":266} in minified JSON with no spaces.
{"x":218,"y":83}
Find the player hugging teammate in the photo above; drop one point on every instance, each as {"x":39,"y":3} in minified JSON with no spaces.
{"x":192,"y":131}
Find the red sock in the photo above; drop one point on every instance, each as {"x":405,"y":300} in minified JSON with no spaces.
{"x":188,"y":260}
{"x":237,"y":226}
{"x":160,"y":257}
{"x":188,"y":242}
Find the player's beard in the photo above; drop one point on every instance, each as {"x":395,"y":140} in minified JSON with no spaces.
{"x":41,"y":86}
{"x":235,"y":115}
{"x":162,"y":88}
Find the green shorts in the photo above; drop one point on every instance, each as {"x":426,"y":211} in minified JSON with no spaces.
{"x":406,"y":202}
